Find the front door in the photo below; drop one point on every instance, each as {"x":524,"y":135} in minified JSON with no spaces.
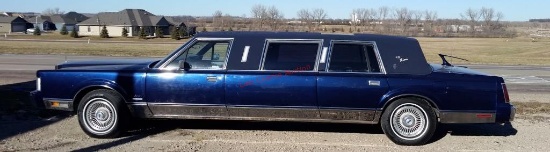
{"x":352,"y":84}
{"x":195,"y":91}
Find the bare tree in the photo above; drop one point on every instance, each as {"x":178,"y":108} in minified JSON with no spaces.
{"x":228,"y":21}
{"x":356,"y":17}
{"x":217,"y":19}
{"x":53,"y":11}
{"x":417,"y":19}
{"x":372,"y":17}
{"x":403,"y":17}
{"x":318,"y":16}
{"x":259,"y":13}
{"x":274,"y":17}
{"x":429,"y":19}
{"x":305,"y":17}
{"x":383,"y":13}
{"x":472,"y":16}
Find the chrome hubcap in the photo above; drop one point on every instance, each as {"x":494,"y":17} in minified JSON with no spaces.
{"x":99,"y":116}
{"x":409,"y":121}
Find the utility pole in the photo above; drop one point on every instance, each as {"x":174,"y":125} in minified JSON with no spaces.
{"x":36,"y":22}
{"x":98,"y":25}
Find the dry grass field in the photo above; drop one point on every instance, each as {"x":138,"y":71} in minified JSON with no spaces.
{"x":516,"y":51}
{"x":505,"y":51}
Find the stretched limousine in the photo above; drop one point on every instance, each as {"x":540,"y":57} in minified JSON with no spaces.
{"x":279,"y":76}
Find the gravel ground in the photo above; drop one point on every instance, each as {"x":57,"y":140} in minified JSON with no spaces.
{"x":188,"y":135}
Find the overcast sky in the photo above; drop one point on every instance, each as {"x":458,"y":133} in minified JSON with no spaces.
{"x":513,"y":10}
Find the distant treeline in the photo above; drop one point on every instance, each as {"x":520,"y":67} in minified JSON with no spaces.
{"x":540,"y":20}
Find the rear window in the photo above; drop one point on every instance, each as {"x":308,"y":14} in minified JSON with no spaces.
{"x":290,"y":56}
{"x":351,"y":57}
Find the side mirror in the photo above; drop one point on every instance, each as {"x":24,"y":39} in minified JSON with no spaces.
{"x":184,"y":65}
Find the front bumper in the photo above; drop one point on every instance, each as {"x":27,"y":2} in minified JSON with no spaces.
{"x":50,"y":103}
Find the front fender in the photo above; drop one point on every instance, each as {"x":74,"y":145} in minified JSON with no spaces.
{"x":98,"y":83}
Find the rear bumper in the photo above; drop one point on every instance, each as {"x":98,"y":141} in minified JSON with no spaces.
{"x":50,"y":103}
{"x":505,"y":113}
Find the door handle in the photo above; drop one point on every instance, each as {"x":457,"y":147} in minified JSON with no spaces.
{"x":374,"y":83}
{"x":211,"y":78}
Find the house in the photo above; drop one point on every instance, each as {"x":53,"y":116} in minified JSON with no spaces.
{"x":78,"y":17}
{"x":130,"y":19}
{"x":13,"y":24}
{"x":53,"y":22}
{"x":19,"y":14}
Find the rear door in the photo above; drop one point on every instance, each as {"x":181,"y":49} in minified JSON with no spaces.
{"x":284,"y":86}
{"x":353,"y":82}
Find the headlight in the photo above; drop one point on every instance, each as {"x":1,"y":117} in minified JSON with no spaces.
{"x":38,"y":87}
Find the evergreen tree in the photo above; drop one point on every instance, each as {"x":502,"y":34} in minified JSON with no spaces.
{"x":175,"y":34}
{"x":204,"y":29}
{"x":104,"y":33}
{"x":158,"y":32}
{"x":230,"y":29}
{"x":183,"y":32}
{"x":36,"y":31}
{"x":63,"y":30}
{"x":350,"y":30}
{"x":74,"y":33}
{"x":142,"y":34}
{"x":124,"y":32}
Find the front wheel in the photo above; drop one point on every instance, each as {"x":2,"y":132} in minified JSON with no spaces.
{"x":409,"y":122}
{"x":101,"y":113}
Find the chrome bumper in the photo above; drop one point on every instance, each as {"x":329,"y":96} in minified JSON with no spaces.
{"x":512,"y":113}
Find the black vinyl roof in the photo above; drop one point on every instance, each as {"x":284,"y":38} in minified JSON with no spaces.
{"x":400,"y":55}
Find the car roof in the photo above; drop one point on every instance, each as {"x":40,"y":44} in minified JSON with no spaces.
{"x":400,"y":55}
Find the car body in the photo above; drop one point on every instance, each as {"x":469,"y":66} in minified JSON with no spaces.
{"x":360,"y":78}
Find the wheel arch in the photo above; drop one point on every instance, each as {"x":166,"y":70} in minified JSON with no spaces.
{"x":82,"y":92}
{"x":418,"y":97}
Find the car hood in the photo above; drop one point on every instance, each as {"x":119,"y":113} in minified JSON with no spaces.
{"x":109,"y":64}
{"x":456,"y":69}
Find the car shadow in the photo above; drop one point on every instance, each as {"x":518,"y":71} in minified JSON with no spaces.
{"x":506,"y":129}
{"x":18,"y":115}
{"x":267,"y":125}
{"x":128,"y":137}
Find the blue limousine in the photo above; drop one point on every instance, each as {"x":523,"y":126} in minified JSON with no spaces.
{"x":279,"y":76}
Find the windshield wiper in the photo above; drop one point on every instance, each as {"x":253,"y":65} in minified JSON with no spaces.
{"x":445,"y":62}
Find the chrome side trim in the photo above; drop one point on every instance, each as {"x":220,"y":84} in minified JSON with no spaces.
{"x":467,"y":117}
{"x":140,"y":110}
{"x":274,"y":113}
{"x":338,"y":114}
{"x":311,"y":114}
{"x":324,"y":55}
{"x":137,"y":99}
{"x":244,"y":58}
{"x":188,"y":110}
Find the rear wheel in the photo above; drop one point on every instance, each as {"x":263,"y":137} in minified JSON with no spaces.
{"x":101,"y":114}
{"x":409,"y":121}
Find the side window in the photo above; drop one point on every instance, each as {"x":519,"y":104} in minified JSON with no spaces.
{"x":290,"y":56}
{"x":203,"y":55}
{"x":352,"y":57}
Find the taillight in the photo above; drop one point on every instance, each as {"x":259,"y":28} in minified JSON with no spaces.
{"x":505,"y":91}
